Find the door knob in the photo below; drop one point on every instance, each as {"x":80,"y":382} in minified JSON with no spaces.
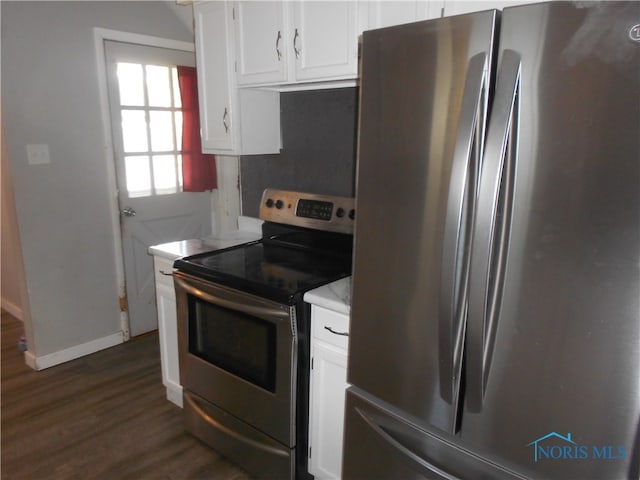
{"x":128,"y":212}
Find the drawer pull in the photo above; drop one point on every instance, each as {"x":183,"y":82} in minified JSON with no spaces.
{"x":168,"y":274}
{"x":344,"y":334}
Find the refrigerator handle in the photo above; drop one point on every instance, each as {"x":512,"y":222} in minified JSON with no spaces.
{"x":458,"y":223}
{"x":491,"y":228}
{"x":395,"y":440}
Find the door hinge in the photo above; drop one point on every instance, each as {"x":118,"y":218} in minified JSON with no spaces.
{"x":233,"y":13}
{"x":310,"y":451}
{"x":311,"y":363}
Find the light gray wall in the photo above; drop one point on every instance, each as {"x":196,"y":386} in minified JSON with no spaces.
{"x":50,"y":96}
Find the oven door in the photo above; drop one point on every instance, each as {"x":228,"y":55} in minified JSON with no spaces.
{"x":237,"y":352}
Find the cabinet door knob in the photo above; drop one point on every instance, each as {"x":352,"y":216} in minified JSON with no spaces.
{"x":295,"y":43}
{"x":128,"y":212}
{"x":225,"y":120}
{"x":278,"y":52}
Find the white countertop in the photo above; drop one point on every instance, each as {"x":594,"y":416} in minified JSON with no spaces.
{"x":250,"y":229}
{"x":335,"y":296}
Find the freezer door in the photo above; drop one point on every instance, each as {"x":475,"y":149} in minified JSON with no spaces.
{"x":424,"y":93}
{"x":553,"y":330}
{"x":383,"y":445}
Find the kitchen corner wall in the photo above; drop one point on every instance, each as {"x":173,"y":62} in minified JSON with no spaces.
{"x":319,"y":148}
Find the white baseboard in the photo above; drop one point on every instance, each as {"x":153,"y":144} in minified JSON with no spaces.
{"x":174,"y":394}
{"x":12,"y":308}
{"x":71,"y":353}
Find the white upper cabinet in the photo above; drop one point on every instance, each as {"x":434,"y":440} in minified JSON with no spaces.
{"x":216,"y":85}
{"x":457,"y":7}
{"x":387,"y":13}
{"x":260,"y":42}
{"x":325,"y":40}
{"x":232,"y":121}
{"x":280,"y":42}
{"x":294,"y":42}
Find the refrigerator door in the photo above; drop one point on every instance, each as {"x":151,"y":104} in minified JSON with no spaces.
{"x":424,"y":92}
{"x":553,"y":330}
{"x":385,"y":446}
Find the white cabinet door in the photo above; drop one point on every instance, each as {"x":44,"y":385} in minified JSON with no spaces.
{"x":328,"y":385}
{"x":325,"y":40}
{"x":168,"y":334}
{"x":216,"y":84}
{"x":385,"y":13}
{"x":167,"y":328}
{"x":222,"y":106}
{"x":261,"y":47}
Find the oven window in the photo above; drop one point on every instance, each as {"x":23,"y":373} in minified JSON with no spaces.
{"x":236,"y":342}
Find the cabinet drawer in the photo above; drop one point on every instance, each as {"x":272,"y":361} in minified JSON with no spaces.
{"x":330,"y":326}
{"x":162,"y":270}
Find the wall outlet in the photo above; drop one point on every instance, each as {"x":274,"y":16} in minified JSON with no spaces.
{"x":38,"y":154}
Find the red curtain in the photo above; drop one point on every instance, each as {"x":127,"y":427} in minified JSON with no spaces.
{"x":198,"y":169}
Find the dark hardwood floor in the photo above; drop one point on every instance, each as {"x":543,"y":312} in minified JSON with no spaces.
{"x":103,"y":416}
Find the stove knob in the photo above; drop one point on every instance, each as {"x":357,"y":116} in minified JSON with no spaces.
{"x":352,"y":214}
{"x":269,"y":202}
{"x":340,"y":212}
{"x":279,"y":204}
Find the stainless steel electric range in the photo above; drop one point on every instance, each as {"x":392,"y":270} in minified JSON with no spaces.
{"x":243,"y":331}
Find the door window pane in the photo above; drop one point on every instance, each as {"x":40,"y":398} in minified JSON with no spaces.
{"x":177,"y":99}
{"x":138,"y":175}
{"x":162,"y":131}
{"x":131,"y":84}
{"x":164,"y":173}
{"x":134,"y":131}
{"x":178,"y":123}
{"x":180,"y":171}
{"x":158,"y":86}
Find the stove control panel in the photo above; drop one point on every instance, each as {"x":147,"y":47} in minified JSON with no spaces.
{"x":320,"y":212}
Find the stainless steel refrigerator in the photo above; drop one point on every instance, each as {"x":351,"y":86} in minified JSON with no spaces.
{"x":495,"y":322}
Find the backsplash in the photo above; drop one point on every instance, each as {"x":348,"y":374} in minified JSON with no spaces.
{"x":319,"y":148}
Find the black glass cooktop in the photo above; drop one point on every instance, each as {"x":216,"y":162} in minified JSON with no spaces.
{"x":276,"y":271}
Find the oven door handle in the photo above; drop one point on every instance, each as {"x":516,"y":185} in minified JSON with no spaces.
{"x":257,"y":311}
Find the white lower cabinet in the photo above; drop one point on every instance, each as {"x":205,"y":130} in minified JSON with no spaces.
{"x":167,"y":328}
{"x":328,"y":383}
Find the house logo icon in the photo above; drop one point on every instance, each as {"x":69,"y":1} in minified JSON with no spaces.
{"x":537,"y":447}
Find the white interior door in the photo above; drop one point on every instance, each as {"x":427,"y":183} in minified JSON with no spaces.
{"x":146,"y":123}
